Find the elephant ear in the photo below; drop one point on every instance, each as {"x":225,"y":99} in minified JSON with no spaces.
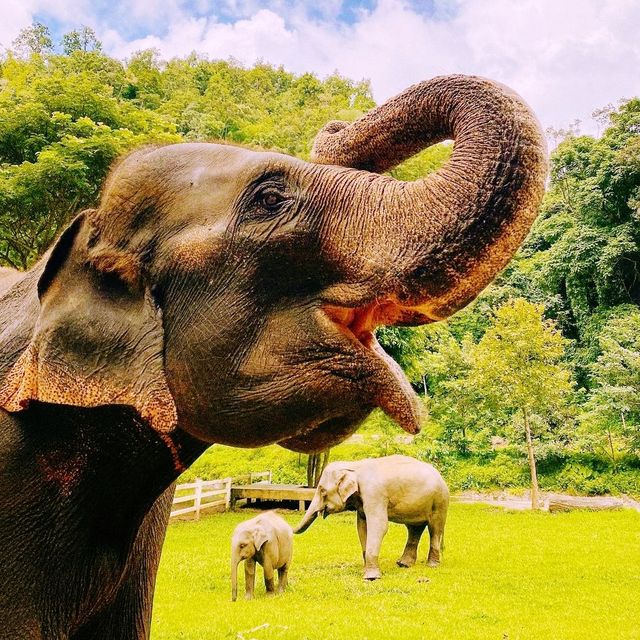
{"x":98,"y":339}
{"x":259,"y":538}
{"x":347,"y":485}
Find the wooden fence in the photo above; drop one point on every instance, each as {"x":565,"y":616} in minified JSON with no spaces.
{"x":257,"y":477}
{"x":206,"y":494}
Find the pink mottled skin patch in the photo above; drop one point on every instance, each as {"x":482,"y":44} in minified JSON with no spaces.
{"x":63,"y":470}
{"x":175,"y":452}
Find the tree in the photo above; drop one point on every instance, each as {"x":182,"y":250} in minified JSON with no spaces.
{"x":423,"y":163}
{"x":582,"y":258}
{"x":613,"y":409}
{"x":35,"y":39}
{"x":38,"y":198}
{"x":83,"y":39}
{"x":517,"y":368}
{"x":454,"y":402}
{"x":316,"y":462}
{"x":145,"y":78}
{"x":408,"y":347}
{"x":61,"y":127}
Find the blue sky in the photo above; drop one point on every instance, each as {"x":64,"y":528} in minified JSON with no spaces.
{"x":112,"y":15}
{"x":566,"y":57}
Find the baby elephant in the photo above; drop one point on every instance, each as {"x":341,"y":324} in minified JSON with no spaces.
{"x":268,"y":540}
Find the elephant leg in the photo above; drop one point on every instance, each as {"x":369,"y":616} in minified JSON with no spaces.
{"x":361,"y":523}
{"x":377,"y":525}
{"x":249,"y":577}
{"x":283,"y":578}
{"x":410,"y":554}
{"x":436,"y":533}
{"x":269,"y":582}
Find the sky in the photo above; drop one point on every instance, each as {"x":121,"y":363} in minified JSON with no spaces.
{"x":567,"y":58}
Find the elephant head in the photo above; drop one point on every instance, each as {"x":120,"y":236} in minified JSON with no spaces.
{"x":337,"y":484}
{"x":234,"y":294}
{"x":248,"y":538}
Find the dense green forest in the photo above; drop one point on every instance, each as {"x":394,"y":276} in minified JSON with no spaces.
{"x":543,"y":367}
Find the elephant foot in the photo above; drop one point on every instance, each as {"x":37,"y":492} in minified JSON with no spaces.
{"x":248,"y":596}
{"x":433,"y":563}
{"x":372,"y":574}
{"x":405,"y":563}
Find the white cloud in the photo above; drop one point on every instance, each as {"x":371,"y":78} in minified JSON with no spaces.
{"x":566,"y":57}
{"x":16,"y":15}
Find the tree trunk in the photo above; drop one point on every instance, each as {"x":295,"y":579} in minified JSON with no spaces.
{"x":315,"y":466}
{"x":613,"y":451}
{"x":532,"y":460}
{"x":567,"y":503}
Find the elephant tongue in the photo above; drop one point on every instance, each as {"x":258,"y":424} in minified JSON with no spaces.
{"x":393,"y":392}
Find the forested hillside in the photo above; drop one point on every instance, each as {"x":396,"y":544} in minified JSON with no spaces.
{"x":546,"y":361}
{"x":553,"y":346}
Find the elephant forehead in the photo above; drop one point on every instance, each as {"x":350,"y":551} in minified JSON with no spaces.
{"x":182,"y":183}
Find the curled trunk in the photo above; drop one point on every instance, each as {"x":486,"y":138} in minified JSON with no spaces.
{"x":440,"y":240}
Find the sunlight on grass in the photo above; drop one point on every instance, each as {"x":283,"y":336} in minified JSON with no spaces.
{"x":505,"y":575}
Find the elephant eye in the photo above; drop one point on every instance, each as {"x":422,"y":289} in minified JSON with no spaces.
{"x":271,"y":199}
{"x":267,"y":198}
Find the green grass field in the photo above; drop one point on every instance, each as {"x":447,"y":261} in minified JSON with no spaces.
{"x":505,"y":576}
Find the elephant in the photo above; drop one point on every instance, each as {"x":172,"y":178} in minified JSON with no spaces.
{"x":220,"y":294}
{"x":268,"y":540}
{"x":392,"y":488}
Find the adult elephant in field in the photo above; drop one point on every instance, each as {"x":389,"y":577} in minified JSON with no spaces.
{"x":393,"y":488}
{"x":218,"y":294}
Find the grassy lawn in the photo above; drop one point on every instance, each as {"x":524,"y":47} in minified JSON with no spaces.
{"x":505,"y":575}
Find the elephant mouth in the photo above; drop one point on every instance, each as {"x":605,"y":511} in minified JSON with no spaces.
{"x":388,"y":384}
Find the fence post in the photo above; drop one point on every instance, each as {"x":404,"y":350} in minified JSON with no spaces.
{"x":198,"y":497}
{"x":227,"y":495}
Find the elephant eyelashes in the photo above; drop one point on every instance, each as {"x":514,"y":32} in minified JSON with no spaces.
{"x":267,"y":199}
{"x":271,"y":199}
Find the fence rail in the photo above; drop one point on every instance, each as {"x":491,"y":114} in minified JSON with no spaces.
{"x":206,"y":494}
{"x":256,"y":477}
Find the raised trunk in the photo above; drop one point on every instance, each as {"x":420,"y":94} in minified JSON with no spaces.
{"x":532,"y":461}
{"x":434,"y":244}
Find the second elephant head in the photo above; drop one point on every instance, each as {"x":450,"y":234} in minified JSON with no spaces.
{"x":338,"y":483}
